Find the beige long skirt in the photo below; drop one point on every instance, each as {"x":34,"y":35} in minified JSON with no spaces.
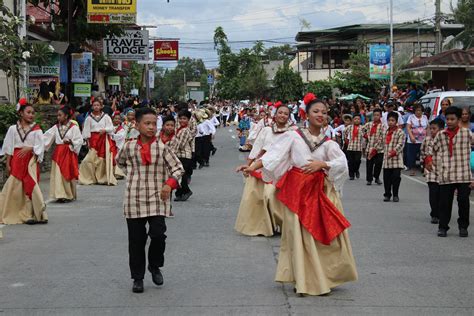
{"x":314,"y":268}
{"x":16,"y":207}
{"x":259,"y":212}
{"x":118,"y":172}
{"x":60,"y":188}
{"x":96,"y":170}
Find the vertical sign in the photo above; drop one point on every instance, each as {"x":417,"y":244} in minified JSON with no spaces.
{"x":81,"y":68}
{"x":380,"y":62}
{"x":151,"y":79}
{"x":166,"y":50}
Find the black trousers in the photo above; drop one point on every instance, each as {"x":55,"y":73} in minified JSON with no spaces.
{"x":446,"y":196}
{"x":391,"y":181}
{"x":434,"y":196}
{"x":203,"y":149}
{"x":137,"y":237}
{"x":374,"y":167}
{"x":353,"y":160}
{"x":188,"y":171}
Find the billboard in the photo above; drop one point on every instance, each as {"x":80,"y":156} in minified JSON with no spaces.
{"x":112,"y":11}
{"x":166,"y":50}
{"x":380,"y":62}
{"x":82,"y":90}
{"x":132,"y":45}
{"x":81,"y":68}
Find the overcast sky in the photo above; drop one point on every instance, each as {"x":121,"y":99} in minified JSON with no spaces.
{"x":276,"y":21}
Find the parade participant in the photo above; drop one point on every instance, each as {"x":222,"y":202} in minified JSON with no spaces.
{"x":328,"y":130}
{"x":339,"y":132}
{"x":211,"y":112}
{"x":315,"y":252}
{"x":390,"y":107}
{"x":205,"y":130}
{"x":168,"y":131}
{"x":153,"y":171}
{"x":243,"y":131}
{"x":452,"y":148}
{"x":119,"y":137}
{"x":65,"y":166}
{"x":353,"y":134}
{"x":263,"y":120}
{"x":260,"y":213}
{"x":182,"y":147}
{"x":393,"y":158}
{"x":99,"y":164}
{"x":21,"y":200}
{"x":374,"y":131}
{"x":129,"y":125}
{"x":431,"y":176}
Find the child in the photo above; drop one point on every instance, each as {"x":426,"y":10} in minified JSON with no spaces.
{"x":431,"y":176}
{"x":374,"y":133}
{"x":393,"y":157}
{"x":129,"y":125}
{"x":21,"y":200}
{"x":153,"y":171}
{"x":64,"y":167}
{"x":205,"y":130}
{"x":168,"y":130}
{"x":182,"y":147}
{"x":353,"y":134}
{"x":99,"y":164}
{"x":452,"y":148}
{"x":119,"y":138}
{"x":339,"y":132}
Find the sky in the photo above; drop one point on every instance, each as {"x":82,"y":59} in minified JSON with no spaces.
{"x":276,"y":22}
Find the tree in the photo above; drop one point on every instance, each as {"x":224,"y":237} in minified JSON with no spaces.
{"x":463,"y":13}
{"x":279,"y":53}
{"x":287,"y":84}
{"x":321,"y":88}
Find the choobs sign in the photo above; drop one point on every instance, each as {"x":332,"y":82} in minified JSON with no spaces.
{"x":133,"y":45}
{"x":166,"y":50}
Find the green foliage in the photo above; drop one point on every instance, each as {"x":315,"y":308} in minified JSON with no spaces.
{"x":463,"y":13}
{"x":134,"y":78}
{"x":321,"y":88}
{"x":279,"y":53}
{"x":287,"y":84}
{"x":8,"y":117}
{"x":40,"y":54}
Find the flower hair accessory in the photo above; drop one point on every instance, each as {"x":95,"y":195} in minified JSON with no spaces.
{"x":278,"y":104}
{"x":269,"y":104}
{"x":308,"y":98}
{"x":22,"y":102}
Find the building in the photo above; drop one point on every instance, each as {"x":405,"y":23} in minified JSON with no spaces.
{"x":320,"y":54}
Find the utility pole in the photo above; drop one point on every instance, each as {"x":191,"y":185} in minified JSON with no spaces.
{"x":391,"y":45}
{"x":438,"y":36}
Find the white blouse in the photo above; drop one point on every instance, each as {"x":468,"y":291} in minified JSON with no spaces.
{"x":205,"y":128}
{"x":69,"y":131}
{"x":264,"y":141}
{"x":291,"y":150}
{"x":119,"y":137}
{"x":96,"y":124}
{"x":33,"y":139}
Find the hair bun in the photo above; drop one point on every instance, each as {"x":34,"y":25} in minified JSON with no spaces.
{"x":308,"y":98}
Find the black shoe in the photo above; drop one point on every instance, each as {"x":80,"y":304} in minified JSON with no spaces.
{"x":463,"y":232}
{"x":156,"y":276}
{"x":358,"y":175}
{"x":213,"y":151}
{"x":396,"y":199}
{"x":178,"y":198}
{"x":369,"y":182}
{"x":201,"y":166}
{"x":434,"y":220}
{"x":206,"y":164}
{"x":378,"y":181}
{"x":442,"y":232}
{"x":386,"y":199}
{"x":31,"y":222}
{"x":137,"y":286}
{"x":351,"y":178}
{"x":186,"y":196}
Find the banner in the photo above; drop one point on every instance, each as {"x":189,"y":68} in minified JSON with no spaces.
{"x":113,"y":81}
{"x":132,"y":45}
{"x":166,"y":50}
{"x":112,"y":11}
{"x":82,"y":90}
{"x":151,"y":79}
{"x":81,"y":68}
{"x":380,"y":63}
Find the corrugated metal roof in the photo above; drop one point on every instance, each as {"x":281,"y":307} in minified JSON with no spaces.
{"x":455,"y":58}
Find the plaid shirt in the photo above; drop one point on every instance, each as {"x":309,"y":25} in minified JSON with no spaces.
{"x":144,"y":182}
{"x":182,"y":143}
{"x":356,"y":143}
{"x":455,"y":168}
{"x":376,"y":140}
{"x":193,"y":128}
{"x":397,"y":143}
{"x":427,"y":147}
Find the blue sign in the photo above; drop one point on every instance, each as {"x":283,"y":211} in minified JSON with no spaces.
{"x":380,"y":62}
{"x":210,"y":79}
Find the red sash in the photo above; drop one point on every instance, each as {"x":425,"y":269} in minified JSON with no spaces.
{"x":304,"y":195}
{"x":19,"y":169}
{"x":97,"y":142}
{"x":67,"y":162}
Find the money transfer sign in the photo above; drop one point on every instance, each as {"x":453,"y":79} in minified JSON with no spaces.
{"x":166,"y":50}
{"x":112,"y":11}
{"x":380,"y":62}
{"x":132,"y":45}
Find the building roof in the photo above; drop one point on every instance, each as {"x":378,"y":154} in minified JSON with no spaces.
{"x":455,"y":58}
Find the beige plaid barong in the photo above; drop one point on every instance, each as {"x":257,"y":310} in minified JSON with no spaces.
{"x":397,"y":143}
{"x":182,"y":143}
{"x":354,"y":144}
{"x":427,"y":147}
{"x":375,"y":141}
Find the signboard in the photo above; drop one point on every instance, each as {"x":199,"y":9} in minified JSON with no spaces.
{"x":210,"y":79}
{"x":166,"y":50}
{"x":82,"y":90}
{"x":81,"y":68}
{"x":50,"y":69}
{"x":112,"y":11}
{"x":380,"y":62}
{"x":151,"y":79}
{"x":113,"y":81}
{"x":132,"y":45}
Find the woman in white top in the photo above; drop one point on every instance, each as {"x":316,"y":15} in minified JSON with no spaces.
{"x":64,"y":166}
{"x":416,"y":127}
{"x":99,"y":164}
{"x":260,"y":213}
{"x":310,"y":170}
{"x":21,"y":200}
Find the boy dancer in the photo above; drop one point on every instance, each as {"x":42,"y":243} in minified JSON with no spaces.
{"x":452,"y":148}
{"x":393,"y":157}
{"x":353,"y":134}
{"x":153,"y":171}
{"x":374,"y":131}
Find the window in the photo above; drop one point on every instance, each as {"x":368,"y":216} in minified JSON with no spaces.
{"x":339,"y":59}
{"x":424,"y":49}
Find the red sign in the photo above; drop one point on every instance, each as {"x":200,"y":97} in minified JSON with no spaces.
{"x":166,"y":50}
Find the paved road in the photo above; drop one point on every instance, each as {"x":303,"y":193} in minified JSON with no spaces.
{"x":77,"y":264}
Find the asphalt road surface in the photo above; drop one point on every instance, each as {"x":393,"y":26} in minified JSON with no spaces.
{"x":78,"y":263}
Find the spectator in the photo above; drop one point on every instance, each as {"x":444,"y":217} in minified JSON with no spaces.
{"x":416,"y":127}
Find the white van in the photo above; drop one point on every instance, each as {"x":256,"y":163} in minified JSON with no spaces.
{"x":460,"y":99}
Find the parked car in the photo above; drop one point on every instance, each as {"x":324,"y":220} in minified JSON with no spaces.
{"x":434,"y":98}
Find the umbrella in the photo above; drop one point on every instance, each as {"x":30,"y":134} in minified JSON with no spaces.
{"x":354,"y":96}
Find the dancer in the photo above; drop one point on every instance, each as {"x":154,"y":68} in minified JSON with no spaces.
{"x":374,"y":134}
{"x":119,"y":137}
{"x":21,"y":200}
{"x":354,"y":149}
{"x":65,"y":166}
{"x":130,"y":125}
{"x":315,"y":252}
